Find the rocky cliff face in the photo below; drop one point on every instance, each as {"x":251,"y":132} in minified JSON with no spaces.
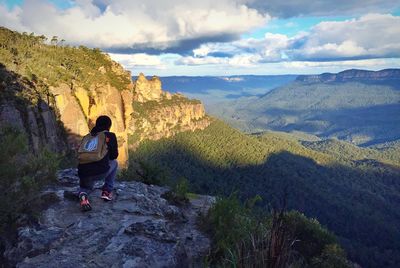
{"x":161,"y":114}
{"x":158,"y":114}
{"x":79,"y":109}
{"x":147,"y":90}
{"x":23,"y":107}
{"x":77,"y":106}
{"x":137,"y":229}
{"x":352,"y":75}
{"x":43,"y":87}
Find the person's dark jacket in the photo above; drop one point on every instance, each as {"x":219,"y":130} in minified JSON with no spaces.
{"x":102,"y":166}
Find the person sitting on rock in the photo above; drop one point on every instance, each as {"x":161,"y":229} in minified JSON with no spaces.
{"x":97,"y":155}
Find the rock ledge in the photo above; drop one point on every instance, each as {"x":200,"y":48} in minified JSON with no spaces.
{"x":137,"y":229}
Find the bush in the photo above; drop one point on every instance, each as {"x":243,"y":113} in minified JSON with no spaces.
{"x":181,"y":188}
{"x":22,"y":175}
{"x":243,"y":238}
{"x":145,"y":172}
{"x":231,"y":225}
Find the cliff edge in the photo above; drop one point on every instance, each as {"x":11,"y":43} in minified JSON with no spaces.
{"x":55,"y":93}
{"x":137,"y":229}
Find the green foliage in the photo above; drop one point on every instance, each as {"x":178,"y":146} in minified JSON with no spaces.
{"x":181,"y":188}
{"x":22,"y":175}
{"x":347,"y":152}
{"x":145,"y":109}
{"x":230,"y":222}
{"x":311,"y":237}
{"x":358,"y":200}
{"x":50,"y":65}
{"x":179,"y":195}
{"x":244,"y":238}
{"x":145,"y":172}
{"x":332,"y":256}
{"x":360,"y":112}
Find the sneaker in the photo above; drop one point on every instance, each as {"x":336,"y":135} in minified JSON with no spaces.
{"x":107,"y":196}
{"x":84,"y":202}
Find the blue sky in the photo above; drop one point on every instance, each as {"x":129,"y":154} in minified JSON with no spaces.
{"x":225,"y":37}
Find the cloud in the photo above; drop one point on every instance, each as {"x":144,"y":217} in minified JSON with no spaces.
{"x":133,"y":61}
{"x":129,"y":26}
{"x":189,"y":60}
{"x":294,"y":8}
{"x":370,"y":36}
{"x":369,"y":63}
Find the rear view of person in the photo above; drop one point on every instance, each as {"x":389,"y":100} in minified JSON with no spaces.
{"x":97,"y":161}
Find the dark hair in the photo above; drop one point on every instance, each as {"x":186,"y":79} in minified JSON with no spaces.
{"x":103,"y":122}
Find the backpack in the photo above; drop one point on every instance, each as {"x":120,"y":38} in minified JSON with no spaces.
{"x":92,"y":148}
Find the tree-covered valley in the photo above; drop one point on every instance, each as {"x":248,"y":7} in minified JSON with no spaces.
{"x":354,"y":192}
{"x":361,"y":107}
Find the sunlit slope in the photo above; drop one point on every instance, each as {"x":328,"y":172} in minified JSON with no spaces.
{"x":360,"y":203}
{"x":361,"y":112}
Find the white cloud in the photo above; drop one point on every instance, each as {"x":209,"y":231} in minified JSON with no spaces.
{"x":128,"y":24}
{"x":369,"y":63}
{"x":370,"y":36}
{"x":201,"y":60}
{"x":293,"y":8}
{"x":131,"y":61}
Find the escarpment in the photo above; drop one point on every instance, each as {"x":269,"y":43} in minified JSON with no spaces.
{"x":55,"y":93}
{"x":25,"y":107}
{"x":141,"y":110}
{"x":158,"y":114}
{"x":79,"y":109}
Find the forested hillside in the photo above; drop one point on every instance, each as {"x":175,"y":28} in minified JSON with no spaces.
{"x":363,"y":111}
{"x":357,"y":199}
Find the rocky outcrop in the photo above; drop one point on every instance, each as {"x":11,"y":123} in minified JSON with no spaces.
{"x":165,"y":119}
{"x":352,"y":75}
{"x":159,"y":114}
{"x":77,"y":104}
{"x":137,"y":229}
{"x":79,"y":109}
{"x":147,"y":90}
{"x":24,"y":108}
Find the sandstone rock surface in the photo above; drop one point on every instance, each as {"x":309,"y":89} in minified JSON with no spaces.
{"x":77,"y":105}
{"x":146,"y":90}
{"x":138,"y":229}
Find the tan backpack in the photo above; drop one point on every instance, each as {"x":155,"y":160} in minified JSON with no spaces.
{"x":92,"y":148}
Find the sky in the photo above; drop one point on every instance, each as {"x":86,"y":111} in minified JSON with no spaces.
{"x":224,"y":37}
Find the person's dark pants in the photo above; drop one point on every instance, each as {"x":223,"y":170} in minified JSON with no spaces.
{"x":86,"y":183}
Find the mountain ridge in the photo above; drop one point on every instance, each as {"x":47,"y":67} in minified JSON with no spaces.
{"x":363,"y":112}
{"x":352,"y":75}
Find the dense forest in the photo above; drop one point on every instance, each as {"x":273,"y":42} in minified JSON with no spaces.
{"x":357,"y":199}
{"x":362,"y":112}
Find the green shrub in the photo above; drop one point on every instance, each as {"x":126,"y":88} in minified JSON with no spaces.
{"x":181,"y":188}
{"x":332,"y":256}
{"x":145,"y":172}
{"x":230,"y":224}
{"x":244,"y":238}
{"x":22,"y":175}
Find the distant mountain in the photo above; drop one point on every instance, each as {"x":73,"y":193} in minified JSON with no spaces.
{"x":211,"y":89}
{"x":362,"y":107}
{"x":353,"y":75}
